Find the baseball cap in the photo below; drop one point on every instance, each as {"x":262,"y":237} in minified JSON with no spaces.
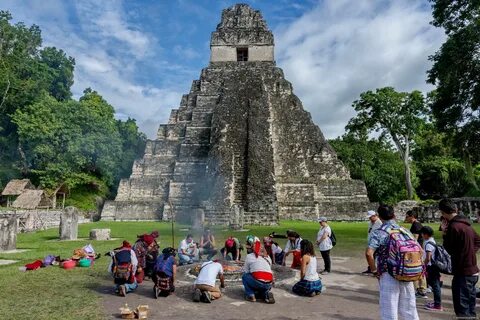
{"x":371,"y":213}
{"x":322,"y":219}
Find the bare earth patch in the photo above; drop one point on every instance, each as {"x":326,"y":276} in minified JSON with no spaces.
{"x":348,"y":295}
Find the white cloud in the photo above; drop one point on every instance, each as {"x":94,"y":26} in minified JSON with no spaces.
{"x":342,"y":48}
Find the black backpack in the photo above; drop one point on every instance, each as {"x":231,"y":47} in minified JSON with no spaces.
{"x":441,"y":259}
{"x":333,"y":238}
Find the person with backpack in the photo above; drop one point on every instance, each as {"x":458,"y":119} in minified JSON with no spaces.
{"x":397,"y":293}
{"x":123,"y":268}
{"x":462,"y":243}
{"x":310,"y":284}
{"x":165,"y":271}
{"x":232,"y":247}
{"x":293,"y":247}
{"x":325,"y":244}
{"x":433,"y":273}
{"x":412,"y":218}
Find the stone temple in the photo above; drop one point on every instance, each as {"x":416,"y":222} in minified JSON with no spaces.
{"x":240,"y":148}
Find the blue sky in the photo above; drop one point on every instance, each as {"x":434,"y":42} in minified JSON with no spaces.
{"x":143,"y":55}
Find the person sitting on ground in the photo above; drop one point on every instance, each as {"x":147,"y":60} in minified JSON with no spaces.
{"x":205,"y":288}
{"x":232,"y":247}
{"x":310,"y":283}
{"x":165,"y":271}
{"x":293,"y":247}
{"x":188,"y":252}
{"x":207,"y":244}
{"x":433,"y":274}
{"x":258,"y":278}
{"x":274,"y":251}
{"x":374,"y":223}
{"x":324,"y":242}
{"x":249,"y":243}
{"x":123,"y":268}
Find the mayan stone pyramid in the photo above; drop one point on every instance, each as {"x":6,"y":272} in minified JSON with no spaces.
{"x":240,"y":148}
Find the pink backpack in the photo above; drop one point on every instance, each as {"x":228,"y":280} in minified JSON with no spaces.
{"x":403,"y":257}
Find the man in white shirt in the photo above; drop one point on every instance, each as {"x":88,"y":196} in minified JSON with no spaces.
{"x":205,"y":288}
{"x":374,"y":223}
{"x":188,"y":251}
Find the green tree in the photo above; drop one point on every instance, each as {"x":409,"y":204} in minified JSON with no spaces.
{"x":73,"y":142}
{"x":374,"y":162}
{"x":441,"y":173}
{"x":396,"y":115}
{"x":456,"y":74}
{"x":133,"y":146}
{"x":26,"y":70}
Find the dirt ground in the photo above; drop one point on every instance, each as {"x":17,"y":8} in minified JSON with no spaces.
{"x":348,"y":295}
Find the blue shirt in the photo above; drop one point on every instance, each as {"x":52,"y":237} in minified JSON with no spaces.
{"x":378,"y":241}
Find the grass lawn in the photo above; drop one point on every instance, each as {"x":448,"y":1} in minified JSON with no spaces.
{"x":55,"y":293}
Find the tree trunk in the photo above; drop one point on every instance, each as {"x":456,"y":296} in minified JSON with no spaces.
{"x":405,"y":155}
{"x":469,"y":170}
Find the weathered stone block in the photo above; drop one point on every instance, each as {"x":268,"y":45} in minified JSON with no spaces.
{"x":100,"y":234}
{"x":8,"y":232}
{"x":68,"y":229}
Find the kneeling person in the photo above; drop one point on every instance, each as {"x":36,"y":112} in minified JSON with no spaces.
{"x":310,"y":283}
{"x":165,"y":271}
{"x":205,"y":289}
{"x":258,"y":277}
{"x":123,"y":268}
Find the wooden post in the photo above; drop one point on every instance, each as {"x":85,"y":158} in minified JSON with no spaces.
{"x":172,"y":214}
{"x":63,"y":201}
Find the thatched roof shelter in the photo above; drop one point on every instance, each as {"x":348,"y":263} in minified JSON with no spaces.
{"x":15,"y":187}
{"x":32,"y":199}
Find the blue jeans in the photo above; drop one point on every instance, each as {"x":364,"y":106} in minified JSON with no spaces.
{"x":254,"y":287}
{"x":433,"y":280}
{"x":129,"y":287}
{"x":464,"y":296}
{"x":183,"y":259}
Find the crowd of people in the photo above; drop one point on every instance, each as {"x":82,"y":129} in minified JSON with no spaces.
{"x":407,"y":263}
{"x":131,"y":264}
{"x":404,"y":278}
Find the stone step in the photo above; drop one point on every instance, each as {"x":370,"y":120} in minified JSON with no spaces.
{"x":193,"y":151}
{"x":171,"y":131}
{"x":201,"y":118}
{"x":197,"y":135}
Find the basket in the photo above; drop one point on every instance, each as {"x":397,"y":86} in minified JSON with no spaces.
{"x":69,"y":264}
{"x":84,"y":263}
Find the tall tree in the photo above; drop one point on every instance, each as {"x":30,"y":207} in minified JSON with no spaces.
{"x":397,"y":115}
{"x":375,"y":162}
{"x":456,"y":73}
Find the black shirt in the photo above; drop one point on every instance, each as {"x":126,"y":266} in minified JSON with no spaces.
{"x":415,"y":229}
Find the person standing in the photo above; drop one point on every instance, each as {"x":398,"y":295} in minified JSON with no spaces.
{"x":396,"y":297}
{"x":373,"y":224}
{"x":433,"y":274}
{"x":462,"y":243}
{"x":412,"y":218}
{"x":324,"y":243}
